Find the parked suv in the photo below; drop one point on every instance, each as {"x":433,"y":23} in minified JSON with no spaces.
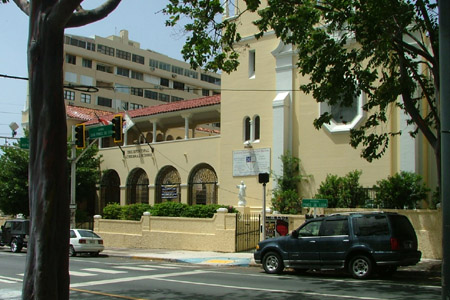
{"x":361,"y":243}
{"x":15,"y":234}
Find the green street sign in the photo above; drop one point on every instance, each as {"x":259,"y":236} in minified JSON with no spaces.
{"x":323,"y":203}
{"x":24,"y":143}
{"x":101,"y":131}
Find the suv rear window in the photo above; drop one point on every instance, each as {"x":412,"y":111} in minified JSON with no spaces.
{"x":402,"y":228}
{"x":370,"y":225}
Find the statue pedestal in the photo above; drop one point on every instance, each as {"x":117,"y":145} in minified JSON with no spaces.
{"x":244,"y":210}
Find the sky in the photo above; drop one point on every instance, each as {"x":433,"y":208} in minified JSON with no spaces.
{"x":142,"y":18}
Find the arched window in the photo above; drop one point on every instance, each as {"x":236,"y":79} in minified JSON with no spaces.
{"x":109,"y":190}
{"x":137,"y":187}
{"x":247,"y":129}
{"x":203,"y":185}
{"x":256,"y":128}
{"x":168,"y":185}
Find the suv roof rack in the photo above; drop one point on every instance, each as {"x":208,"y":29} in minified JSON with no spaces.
{"x":357,"y":212}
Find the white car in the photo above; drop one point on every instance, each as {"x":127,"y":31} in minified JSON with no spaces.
{"x":85,"y":241}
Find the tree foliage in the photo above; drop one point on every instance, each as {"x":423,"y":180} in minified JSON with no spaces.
{"x":385,"y":49}
{"x":402,"y":190}
{"x":286,"y":199}
{"x":345,"y":192}
{"x":14,"y":181}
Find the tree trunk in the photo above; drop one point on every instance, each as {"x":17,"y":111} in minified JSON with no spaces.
{"x":47,"y":270}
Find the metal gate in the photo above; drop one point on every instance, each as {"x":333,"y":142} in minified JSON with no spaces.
{"x":247,"y":231}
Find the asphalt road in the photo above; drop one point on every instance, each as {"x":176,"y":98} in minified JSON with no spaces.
{"x":122,"y":278}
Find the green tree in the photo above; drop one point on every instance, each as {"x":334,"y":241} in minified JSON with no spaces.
{"x":286,"y":198}
{"x":344,"y":192}
{"x":402,"y":190}
{"x":386,"y":49}
{"x":14,"y":181}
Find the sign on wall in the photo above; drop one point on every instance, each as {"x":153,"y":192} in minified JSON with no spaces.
{"x":251,"y":162}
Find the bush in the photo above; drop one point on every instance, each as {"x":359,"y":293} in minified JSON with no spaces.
{"x":168,"y":209}
{"x":112,"y":211}
{"x":345,"y":192}
{"x":286,"y":202}
{"x":134,"y":211}
{"x":400,"y":191}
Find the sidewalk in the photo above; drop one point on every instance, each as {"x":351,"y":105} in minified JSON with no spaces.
{"x":192,"y":257}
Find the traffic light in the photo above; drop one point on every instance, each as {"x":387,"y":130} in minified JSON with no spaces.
{"x":80,"y":136}
{"x":117,"y":129}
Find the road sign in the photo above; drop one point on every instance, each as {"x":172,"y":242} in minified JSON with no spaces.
{"x":101,"y":131}
{"x":24,"y":143}
{"x":323,"y":203}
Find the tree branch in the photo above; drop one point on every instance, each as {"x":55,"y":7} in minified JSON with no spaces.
{"x":84,"y":17}
{"x":24,"y":6}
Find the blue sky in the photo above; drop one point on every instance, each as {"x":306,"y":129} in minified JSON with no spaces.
{"x":142,"y":18}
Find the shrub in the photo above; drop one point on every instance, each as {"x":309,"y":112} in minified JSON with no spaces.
{"x":168,"y":209}
{"x":402,"y":190}
{"x":134,"y":211}
{"x":112,"y":211}
{"x":286,"y":198}
{"x":343,"y":192}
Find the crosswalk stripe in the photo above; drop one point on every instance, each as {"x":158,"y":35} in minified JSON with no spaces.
{"x":160,"y":267}
{"x":81,"y":274}
{"x":104,"y":271}
{"x":132,"y":268}
{"x":5,"y":279}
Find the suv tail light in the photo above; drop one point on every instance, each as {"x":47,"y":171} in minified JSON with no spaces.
{"x":395,"y":245}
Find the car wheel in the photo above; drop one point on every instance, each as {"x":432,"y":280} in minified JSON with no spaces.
{"x":360,"y":267}
{"x":272,"y":263}
{"x":72,"y":251}
{"x":16,"y":246}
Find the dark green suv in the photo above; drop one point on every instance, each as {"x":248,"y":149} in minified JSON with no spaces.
{"x":15,"y":234}
{"x":361,"y":243}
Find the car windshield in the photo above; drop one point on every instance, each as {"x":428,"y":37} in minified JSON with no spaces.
{"x":88,"y":234}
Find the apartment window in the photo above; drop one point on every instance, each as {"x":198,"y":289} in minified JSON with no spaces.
{"x":102,"y":101}
{"x":87,"y":63}
{"x":210,"y":79}
{"x":69,"y":95}
{"x":137,"y":75}
{"x":123,"y":72}
{"x":178,"y":85}
{"x":190,"y":73}
{"x":163,"y":97}
{"x":175,"y":99}
{"x":123,"y":54}
{"x":205,"y":92}
{"x":153,"y":63}
{"x":105,"y":50}
{"x":177,"y":70}
{"x":85,"y":98}
{"x":164,"y":82}
{"x":79,"y":43}
{"x":90,"y":46}
{"x":137,"y":91}
{"x":133,"y":106}
{"x":122,"y":88}
{"x":104,"y":68}
{"x":71,"y":59}
{"x":138,"y":59}
{"x":164,"y":66}
{"x":151,"y":94}
{"x":251,"y":64}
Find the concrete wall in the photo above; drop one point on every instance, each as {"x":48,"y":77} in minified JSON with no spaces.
{"x":214,"y":234}
{"x":219,"y":232}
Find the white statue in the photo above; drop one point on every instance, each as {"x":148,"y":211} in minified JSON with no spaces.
{"x":242,"y":187}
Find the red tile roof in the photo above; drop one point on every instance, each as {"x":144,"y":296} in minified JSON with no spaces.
{"x":164,"y":108}
{"x":84,"y":113}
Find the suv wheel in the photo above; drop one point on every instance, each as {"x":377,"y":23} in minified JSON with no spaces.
{"x":16,"y":246}
{"x":272,"y":263}
{"x":360,"y":267}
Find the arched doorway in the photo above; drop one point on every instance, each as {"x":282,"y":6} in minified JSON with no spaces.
{"x":137,"y":187}
{"x":168,"y":185}
{"x":109,"y":189}
{"x":203,"y":185}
